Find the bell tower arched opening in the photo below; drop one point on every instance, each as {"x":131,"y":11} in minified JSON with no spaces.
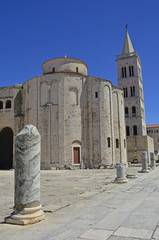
{"x":6,"y":148}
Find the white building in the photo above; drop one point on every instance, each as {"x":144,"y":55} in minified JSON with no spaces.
{"x":80,"y":118}
{"x":153,"y":132}
{"x":130,"y":80}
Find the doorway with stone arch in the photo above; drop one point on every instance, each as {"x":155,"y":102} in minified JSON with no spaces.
{"x":6,"y":148}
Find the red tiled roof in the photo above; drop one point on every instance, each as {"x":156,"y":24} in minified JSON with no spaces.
{"x":153,"y":125}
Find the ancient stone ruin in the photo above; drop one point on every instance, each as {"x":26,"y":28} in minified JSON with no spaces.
{"x":27,"y":208}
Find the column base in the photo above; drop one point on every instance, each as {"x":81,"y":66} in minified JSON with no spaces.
{"x":145,"y":171}
{"x":26,"y":216}
{"x":120,"y":180}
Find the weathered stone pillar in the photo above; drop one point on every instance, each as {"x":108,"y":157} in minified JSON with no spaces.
{"x":27,"y":207}
{"x":121,"y":178}
{"x":153,"y":161}
{"x":144,"y":163}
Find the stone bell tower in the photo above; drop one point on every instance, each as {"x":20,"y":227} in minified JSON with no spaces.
{"x":130,"y":80}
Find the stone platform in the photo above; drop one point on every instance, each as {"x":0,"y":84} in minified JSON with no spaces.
{"x":85,"y":205}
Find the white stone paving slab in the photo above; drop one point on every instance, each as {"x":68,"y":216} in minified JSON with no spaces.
{"x":134,"y":233}
{"x":141,"y":221}
{"x":123,"y":238}
{"x":96,"y":234}
{"x":156,"y":234}
{"x":111,"y":221}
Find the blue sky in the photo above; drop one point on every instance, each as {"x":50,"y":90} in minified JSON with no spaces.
{"x":33,"y":31}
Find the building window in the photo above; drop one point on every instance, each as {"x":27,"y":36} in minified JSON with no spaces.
{"x":133,"y":111}
{"x":108,"y":141}
{"x":53,"y":69}
{"x":1,"y":105}
{"x":126,"y":112}
{"x":96,"y":94}
{"x":8,"y":104}
{"x":135,"y":130}
{"x":131,"y":71}
{"x":117,"y":143}
{"x":127,"y":131}
{"x":124,"y":143}
{"x":123,"y":72}
{"x":158,"y":139}
{"x":76,"y":69}
{"x":125,"y":92}
{"x":132,"y":90}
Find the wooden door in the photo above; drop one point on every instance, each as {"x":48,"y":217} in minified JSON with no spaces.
{"x":76,"y":155}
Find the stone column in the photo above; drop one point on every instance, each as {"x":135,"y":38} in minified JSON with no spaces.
{"x":121,"y":178}
{"x":153,"y":161}
{"x":144,"y":163}
{"x":27,"y":208}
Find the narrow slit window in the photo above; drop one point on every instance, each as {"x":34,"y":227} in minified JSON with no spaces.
{"x":96,"y":94}
{"x":76,"y":69}
{"x":117,"y":143}
{"x":108,"y":141}
{"x":53,"y":70}
{"x":135,"y":130}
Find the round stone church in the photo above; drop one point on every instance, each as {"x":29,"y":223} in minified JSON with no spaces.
{"x":80,"y":118}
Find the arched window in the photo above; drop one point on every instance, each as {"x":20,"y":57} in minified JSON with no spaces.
{"x":126,"y":112}
{"x":108,"y":142}
{"x":1,"y":105}
{"x":132,"y":90}
{"x":135,"y":130}
{"x":131,"y":71}
{"x":127,"y":131}
{"x":53,"y":69}
{"x":74,"y":96}
{"x":123,"y":70}
{"x":133,"y":111}
{"x":125,"y":92}
{"x":8,"y":104}
{"x":117,"y":143}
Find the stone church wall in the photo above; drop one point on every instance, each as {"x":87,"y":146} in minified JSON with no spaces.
{"x":79,"y":117}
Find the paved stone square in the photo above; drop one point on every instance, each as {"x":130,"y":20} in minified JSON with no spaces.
{"x":85,"y":204}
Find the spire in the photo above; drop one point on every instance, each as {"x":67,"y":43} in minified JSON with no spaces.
{"x":128,"y":47}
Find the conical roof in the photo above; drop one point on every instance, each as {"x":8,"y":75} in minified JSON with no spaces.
{"x":128,"y":47}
